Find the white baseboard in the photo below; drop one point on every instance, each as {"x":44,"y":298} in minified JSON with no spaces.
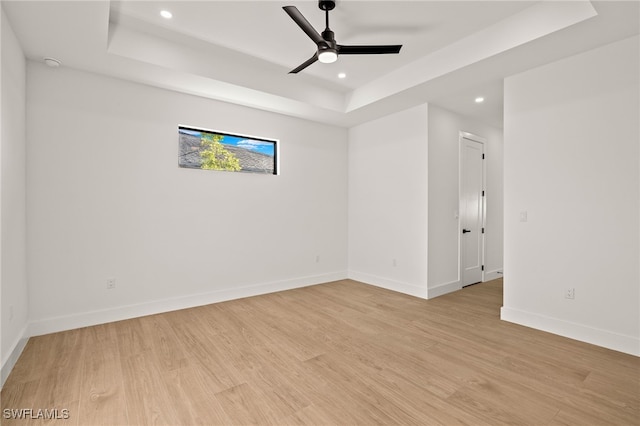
{"x":14,"y":354}
{"x":85,"y":319}
{"x":583,"y":333}
{"x":442,"y":289}
{"x":400,"y":287}
{"x":493,"y":275}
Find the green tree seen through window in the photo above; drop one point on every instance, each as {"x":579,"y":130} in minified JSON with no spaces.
{"x":215,"y":156}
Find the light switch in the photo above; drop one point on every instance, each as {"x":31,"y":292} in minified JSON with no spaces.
{"x":523,"y":217}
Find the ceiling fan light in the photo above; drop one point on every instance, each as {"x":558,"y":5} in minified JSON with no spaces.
{"x":328,"y":56}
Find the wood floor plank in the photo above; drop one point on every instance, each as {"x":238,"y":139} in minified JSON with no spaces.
{"x":241,"y":403}
{"x":14,"y":398}
{"x":148,"y":399}
{"x":209,"y":358}
{"x":309,"y":415}
{"x":164,"y":344}
{"x":337,"y":353}
{"x":102,"y":396}
{"x":131,"y":337}
{"x":198,"y":404}
{"x":59,"y":387}
{"x":282,"y":396}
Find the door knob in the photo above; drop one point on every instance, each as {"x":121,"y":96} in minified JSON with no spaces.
{"x":464,"y":231}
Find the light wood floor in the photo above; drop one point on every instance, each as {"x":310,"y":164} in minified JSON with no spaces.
{"x":338,"y":353}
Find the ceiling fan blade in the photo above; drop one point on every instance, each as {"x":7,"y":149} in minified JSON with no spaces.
{"x":368,"y":50}
{"x":304,"y":65}
{"x":302,"y":22}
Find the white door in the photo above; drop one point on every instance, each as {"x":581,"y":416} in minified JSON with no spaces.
{"x":471,"y":210}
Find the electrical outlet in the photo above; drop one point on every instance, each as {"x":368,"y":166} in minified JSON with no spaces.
{"x":394,"y":262}
{"x":570,"y":293}
{"x":111,"y":283}
{"x":318,"y":259}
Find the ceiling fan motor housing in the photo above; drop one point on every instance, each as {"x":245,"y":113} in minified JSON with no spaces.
{"x":329,"y":37}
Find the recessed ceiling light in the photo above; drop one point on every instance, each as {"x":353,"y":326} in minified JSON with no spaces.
{"x":479,"y":100}
{"x":51,"y":62}
{"x":342,"y":75}
{"x":166,"y":14}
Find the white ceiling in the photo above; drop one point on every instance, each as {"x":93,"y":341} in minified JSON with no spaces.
{"x":242,"y":51}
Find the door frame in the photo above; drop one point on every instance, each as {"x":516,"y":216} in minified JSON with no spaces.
{"x":479,"y":139}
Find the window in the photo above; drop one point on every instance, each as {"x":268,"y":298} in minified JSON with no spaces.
{"x":213,"y":150}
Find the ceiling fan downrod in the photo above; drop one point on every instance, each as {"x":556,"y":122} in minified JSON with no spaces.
{"x":326,"y":5}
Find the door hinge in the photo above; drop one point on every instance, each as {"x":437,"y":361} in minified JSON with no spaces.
{"x":483,"y":267}
{"x":483,"y":230}
{"x":483,"y":193}
{"x":483,"y":156}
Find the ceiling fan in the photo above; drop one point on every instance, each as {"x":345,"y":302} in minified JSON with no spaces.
{"x":328,"y":49}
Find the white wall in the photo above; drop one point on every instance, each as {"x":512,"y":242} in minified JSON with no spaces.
{"x":572,"y":136}
{"x":13,"y":271}
{"x":444,"y":172}
{"x":388,"y":202}
{"x":106,"y":198}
